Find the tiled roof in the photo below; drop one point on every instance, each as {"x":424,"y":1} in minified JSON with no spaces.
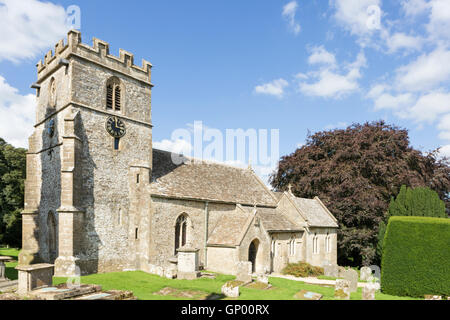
{"x":317,"y":216}
{"x":230,"y":228}
{"x":273,"y":220}
{"x":207,"y":181}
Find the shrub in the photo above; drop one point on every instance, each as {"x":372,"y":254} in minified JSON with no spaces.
{"x":302,"y":269}
{"x":416,"y":257}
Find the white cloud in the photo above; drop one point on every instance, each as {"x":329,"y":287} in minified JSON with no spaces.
{"x":430,"y":106}
{"x":400,"y":40}
{"x":426,"y":72}
{"x":414,"y":7}
{"x":439,"y":25}
{"x":28,"y":27}
{"x":274,"y":88}
{"x":396,"y":102}
{"x":289,"y":11}
{"x":445,"y":151}
{"x":330,"y":83}
{"x":339,"y":125}
{"x":444,"y":125}
{"x":354,"y":15}
{"x":178,"y":146}
{"x":321,"y":56}
{"x":16,"y":115}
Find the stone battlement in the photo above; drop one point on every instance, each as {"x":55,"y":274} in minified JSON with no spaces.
{"x":98,"y":53}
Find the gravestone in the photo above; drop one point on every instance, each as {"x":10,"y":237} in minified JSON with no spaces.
{"x":34,"y":276}
{"x":341,"y":271}
{"x":188,"y":263}
{"x":331,"y":270}
{"x":230,"y":289}
{"x":365,"y":273}
{"x":244,"y":271}
{"x":342,"y":289}
{"x":352,"y":277}
{"x":368,"y":291}
{"x":3,"y":259}
{"x":263,"y":278}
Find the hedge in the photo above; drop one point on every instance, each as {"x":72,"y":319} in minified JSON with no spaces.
{"x":416,"y":257}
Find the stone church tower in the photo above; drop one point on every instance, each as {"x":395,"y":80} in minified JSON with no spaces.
{"x":89,"y":161}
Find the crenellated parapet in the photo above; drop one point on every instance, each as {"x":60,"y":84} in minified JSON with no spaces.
{"x":98,"y":53}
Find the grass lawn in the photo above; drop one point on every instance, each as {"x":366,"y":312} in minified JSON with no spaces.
{"x":144,"y":285}
{"x":11,"y":273}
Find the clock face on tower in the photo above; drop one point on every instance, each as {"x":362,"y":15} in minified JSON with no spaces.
{"x":115,"y":127}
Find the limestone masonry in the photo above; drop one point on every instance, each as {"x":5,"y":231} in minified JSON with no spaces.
{"x":99,"y":198}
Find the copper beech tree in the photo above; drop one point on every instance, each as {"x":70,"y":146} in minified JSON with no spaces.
{"x":355,"y":172}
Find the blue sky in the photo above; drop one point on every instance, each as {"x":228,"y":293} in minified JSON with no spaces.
{"x":287,"y":65}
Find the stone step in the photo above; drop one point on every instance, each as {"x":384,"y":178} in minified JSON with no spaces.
{"x":63,"y":292}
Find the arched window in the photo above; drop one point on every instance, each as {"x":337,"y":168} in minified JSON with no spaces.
{"x":328,"y":243}
{"x":292,"y":246}
{"x":181,"y":232}
{"x":51,"y":237}
{"x":315,"y":244}
{"x":113,"y":94}
{"x":52,"y":93}
{"x":273,"y":247}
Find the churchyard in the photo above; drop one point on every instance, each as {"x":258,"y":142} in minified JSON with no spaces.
{"x":152,"y":287}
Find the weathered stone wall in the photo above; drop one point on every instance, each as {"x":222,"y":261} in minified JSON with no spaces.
{"x":256,"y":231}
{"x":223,"y":259}
{"x":110,"y":225}
{"x":317,"y":259}
{"x":164,"y":215}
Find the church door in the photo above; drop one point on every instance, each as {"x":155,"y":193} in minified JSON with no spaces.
{"x":252,"y":253}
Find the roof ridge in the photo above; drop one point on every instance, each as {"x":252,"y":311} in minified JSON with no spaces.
{"x":207,"y":161}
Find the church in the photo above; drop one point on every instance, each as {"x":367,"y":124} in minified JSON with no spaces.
{"x":99,"y":198}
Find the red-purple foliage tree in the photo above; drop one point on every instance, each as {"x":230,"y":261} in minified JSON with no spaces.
{"x":355,"y":172}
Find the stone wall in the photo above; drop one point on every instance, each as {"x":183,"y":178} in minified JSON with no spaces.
{"x":164,"y":214}
{"x":317,"y":259}
{"x":223,"y":259}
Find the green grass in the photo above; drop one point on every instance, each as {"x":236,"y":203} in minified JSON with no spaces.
{"x":144,"y":285}
{"x":11,"y":273}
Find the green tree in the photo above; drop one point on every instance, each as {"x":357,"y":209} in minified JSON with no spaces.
{"x":355,"y":172}
{"x":12,"y":180}
{"x":420,"y":201}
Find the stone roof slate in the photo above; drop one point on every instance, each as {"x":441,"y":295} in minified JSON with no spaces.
{"x":317,"y":216}
{"x":273,"y":220}
{"x":205,"y":180}
{"x":230,"y":228}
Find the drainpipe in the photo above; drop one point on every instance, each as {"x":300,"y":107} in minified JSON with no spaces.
{"x":206,"y":233}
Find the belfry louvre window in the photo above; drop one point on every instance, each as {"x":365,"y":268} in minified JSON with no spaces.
{"x":113,"y":94}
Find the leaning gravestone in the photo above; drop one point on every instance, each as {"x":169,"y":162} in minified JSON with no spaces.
{"x":365,"y":273}
{"x":352,"y":276}
{"x":263,"y":278}
{"x":331,"y":270}
{"x":342,"y":289}
{"x":368,"y":291}
{"x":231,"y":289}
{"x":341,"y":271}
{"x":244,"y":271}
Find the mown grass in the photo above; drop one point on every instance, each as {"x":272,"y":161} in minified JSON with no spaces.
{"x":144,"y":286}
